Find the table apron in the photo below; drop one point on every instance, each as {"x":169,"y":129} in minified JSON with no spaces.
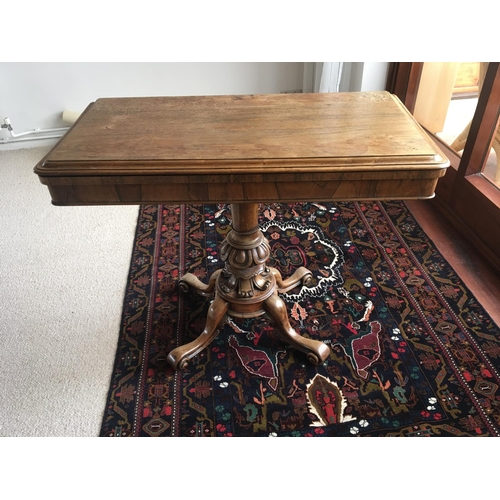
{"x":109,"y":190}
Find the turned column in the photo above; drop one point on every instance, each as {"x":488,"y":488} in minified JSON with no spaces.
{"x":245,"y":281}
{"x":245,"y":217}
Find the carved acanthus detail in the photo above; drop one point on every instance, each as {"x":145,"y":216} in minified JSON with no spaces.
{"x":245,"y":273}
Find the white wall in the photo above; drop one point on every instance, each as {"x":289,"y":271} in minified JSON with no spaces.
{"x":34,"y":95}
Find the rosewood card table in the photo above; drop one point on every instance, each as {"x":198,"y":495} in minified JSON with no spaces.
{"x":243,"y":150}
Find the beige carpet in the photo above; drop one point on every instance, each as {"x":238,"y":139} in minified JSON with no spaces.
{"x":62,"y":279}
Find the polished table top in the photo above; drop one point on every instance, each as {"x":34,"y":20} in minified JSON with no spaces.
{"x":247,"y":148}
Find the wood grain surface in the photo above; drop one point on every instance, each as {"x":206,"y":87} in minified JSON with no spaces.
{"x":284,"y":147}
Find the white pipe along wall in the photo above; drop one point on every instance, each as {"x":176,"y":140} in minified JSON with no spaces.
{"x":68,"y":117}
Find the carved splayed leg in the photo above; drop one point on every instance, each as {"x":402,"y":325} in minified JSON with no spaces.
{"x":190,"y":281}
{"x":301,"y":276}
{"x":180,"y":356}
{"x":316,"y":351}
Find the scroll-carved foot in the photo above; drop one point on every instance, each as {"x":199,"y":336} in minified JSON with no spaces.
{"x":302,"y":275}
{"x":316,"y":351}
{"x":180,"y":356}
{"x":190,"y":281}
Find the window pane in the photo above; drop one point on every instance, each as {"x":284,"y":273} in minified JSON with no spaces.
{"x":492,"y":168}
{"x":447,"y":99}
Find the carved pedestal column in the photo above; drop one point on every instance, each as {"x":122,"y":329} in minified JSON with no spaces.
{"x":246,"y":288}
{"x":245,"y":281}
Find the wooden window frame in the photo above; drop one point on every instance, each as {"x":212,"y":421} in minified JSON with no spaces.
{"x":464,"y":196}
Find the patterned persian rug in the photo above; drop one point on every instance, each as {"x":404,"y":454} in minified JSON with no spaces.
{"x":412,"y":351}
